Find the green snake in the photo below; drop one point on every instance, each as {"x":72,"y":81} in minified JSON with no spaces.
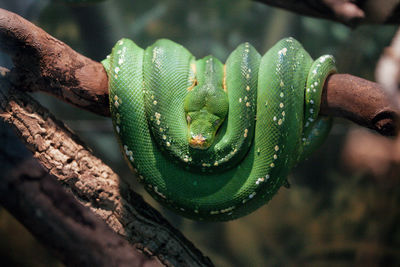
{"x":215,"y":141}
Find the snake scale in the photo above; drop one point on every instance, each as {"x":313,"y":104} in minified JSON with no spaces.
{"x":215,"y":141}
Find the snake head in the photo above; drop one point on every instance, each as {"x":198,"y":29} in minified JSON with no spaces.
{"x":205,"y":111}
{"x":202,"y":128}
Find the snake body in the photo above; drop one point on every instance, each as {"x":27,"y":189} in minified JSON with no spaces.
{"x":215,"y":141}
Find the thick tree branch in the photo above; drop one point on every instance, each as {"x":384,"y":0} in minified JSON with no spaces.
{"x":349,"y":12}
{"x":384,"y":159}
{"x":71,"y":230}
{"x":360,"y":101}
{"x":93,"y":183}
{"x":46,"y":64}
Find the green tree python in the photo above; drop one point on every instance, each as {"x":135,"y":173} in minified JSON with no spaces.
{"x":215,"y":141}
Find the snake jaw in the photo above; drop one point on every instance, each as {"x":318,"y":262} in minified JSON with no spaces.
{"x":198,"y":141}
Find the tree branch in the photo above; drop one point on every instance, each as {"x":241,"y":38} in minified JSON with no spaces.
{"x":349,"y":12}
{"x":46,"y":64}
{"x":384,"y":159}
{"x":71,"y":230}
{"x":92,"y":182}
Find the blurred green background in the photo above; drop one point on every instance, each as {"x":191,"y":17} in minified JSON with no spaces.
{"x":329,"y":217}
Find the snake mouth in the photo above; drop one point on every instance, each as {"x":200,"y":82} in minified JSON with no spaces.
{"x":198,"y":141}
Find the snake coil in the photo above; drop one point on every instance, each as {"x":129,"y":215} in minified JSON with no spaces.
{"x":168,"y":111}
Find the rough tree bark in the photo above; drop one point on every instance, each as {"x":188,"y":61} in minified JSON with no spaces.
{"x":37,"y":200}
{"x":43,"y":63}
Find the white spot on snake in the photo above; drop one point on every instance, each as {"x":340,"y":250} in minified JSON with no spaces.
{"x":315,"y":83}
{"x":304,"y":139}
{"x":314,"y":71}
{"x":312,"y":101}
{"x":275,"y":156}
{"x":120,"y":42}
{"x":272,"y":165}
{"x":116,"y":70}
{"x":245,"y":98}
{"x":267,"y":176}
{"x":274,"y":118}
{"x":283,"y":113}
{"x":252,"y":195}
{"x":248,"y":104}
{"x":158,"y":122}
{"x":157,"y":115}
{"x":155,"y":102}
{"x":307,"y":124}
{"x":281,"y":95}
{"x":314,"y":90}
{"x":240,"y":100}
{"x":120,"y":61}
{"x":248,"y":88}
{"x":282,"y":51}
{"x":276,"y":148}
{"x":164,"y":137}
{"x":282,"y":84}
{"x":131,"y":158}
{"x":311,"y":110}
{"x":227,"y":209}
{"x":281,"y":105}
{"x":245,"y":132}
{"x":312,"y":85}
{"x":260,"y":180}
{"x":116,"y":104}
{"x":279,"y":121}
{"x":117,"y":129}
{"x":156,"y":51}
{"x":216,"y":163}
{"x":158,"y":192}
{"x":196,"y":211}
{"x":168,"y":143}
{"x":115,"y":97}
{"x":308,"y":90}
{"x":311,"y":119}
{"x":248,"y":75}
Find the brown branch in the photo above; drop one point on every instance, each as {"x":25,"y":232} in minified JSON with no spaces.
{"x":92,"y":182}
{"x":74,"y":78}
{"x":349,"y":12}
{"x":360,"y":101}
{"x":384,"y":159}
{"x":71,"y":230}
{"x":44,"y":63}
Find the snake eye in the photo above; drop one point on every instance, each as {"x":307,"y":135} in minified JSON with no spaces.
{"x":216,"y":123}
{"x":189,"y":119}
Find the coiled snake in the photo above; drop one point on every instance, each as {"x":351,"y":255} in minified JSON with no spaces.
{"x":216,"y":141}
